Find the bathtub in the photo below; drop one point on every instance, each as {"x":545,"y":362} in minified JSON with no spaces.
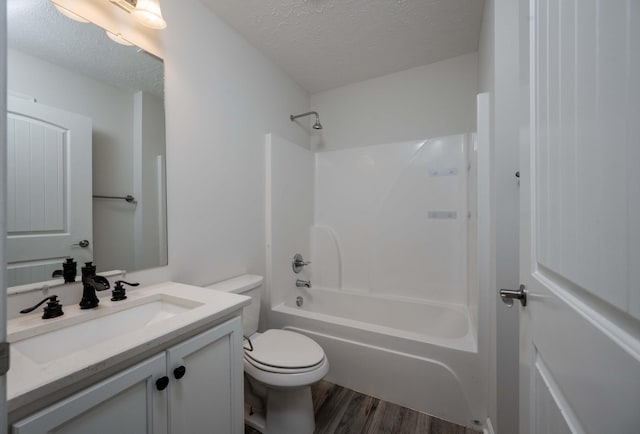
{"x":372,"y":340}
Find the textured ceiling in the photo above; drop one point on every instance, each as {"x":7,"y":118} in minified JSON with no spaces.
{"x":323,"y":44}
{"x":35,"y":27}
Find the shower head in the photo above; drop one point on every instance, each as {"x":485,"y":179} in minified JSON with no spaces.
{"x":316,"y":126}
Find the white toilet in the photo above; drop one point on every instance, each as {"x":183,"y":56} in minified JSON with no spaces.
{"x":279,"y":365}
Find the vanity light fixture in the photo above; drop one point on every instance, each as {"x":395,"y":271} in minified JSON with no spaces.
{"x":67,"y":13}
{"x":118,"y":38}
{"x":148,"y":13}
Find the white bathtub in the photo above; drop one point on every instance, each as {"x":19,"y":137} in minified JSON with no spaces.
{"x":372,"y":340}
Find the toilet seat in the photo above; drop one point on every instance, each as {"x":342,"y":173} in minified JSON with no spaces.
{"x":288,"y":379}
{"x":278,"y":370}
{"x":284,"y":351}
{"x":281,"y":358}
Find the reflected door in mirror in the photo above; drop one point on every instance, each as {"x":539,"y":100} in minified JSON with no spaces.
{"x":49,"y":190}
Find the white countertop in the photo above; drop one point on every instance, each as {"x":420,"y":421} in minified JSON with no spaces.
{"x":28,"y":381}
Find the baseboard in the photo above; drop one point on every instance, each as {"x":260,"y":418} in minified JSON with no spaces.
{"x":488,"y":429}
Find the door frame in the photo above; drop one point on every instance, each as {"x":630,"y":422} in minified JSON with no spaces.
{"x":525,"y":65}
{"x":3,"y":210}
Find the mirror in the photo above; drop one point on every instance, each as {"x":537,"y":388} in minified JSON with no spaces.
{"x":86,"y":130}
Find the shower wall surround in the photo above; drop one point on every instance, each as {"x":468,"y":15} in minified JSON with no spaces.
{"x":386,"y":228}
{"x":289,"y":213}
{"x":392,"y":219}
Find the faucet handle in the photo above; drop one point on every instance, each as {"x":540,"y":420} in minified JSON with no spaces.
{"x":298,"y":262}
{"x":118,"y":292}
{"x":53,"y":308}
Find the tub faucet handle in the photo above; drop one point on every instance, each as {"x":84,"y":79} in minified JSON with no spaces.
{"x":298,"y":263}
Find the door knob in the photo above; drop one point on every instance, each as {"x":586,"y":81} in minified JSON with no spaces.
{"x":81,"y":243}
{"x":508,"y":295}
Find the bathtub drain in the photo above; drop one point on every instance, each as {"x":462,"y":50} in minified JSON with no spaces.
{"x":299,"y":301}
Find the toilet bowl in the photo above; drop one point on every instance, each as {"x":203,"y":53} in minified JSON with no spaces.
{"x":279,"y":365}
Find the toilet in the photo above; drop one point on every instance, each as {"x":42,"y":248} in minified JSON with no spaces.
{"x":279,"y":365}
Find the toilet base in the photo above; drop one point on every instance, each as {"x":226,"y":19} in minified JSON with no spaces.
{"x":289,"y":411}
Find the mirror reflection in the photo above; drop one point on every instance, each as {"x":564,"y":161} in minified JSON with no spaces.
{"x":86,"y":147}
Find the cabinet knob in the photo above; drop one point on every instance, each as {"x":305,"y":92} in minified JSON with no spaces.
{"x":179,"y":372}
{"x":162,"y":383}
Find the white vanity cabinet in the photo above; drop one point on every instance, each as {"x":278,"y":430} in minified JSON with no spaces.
{"x":208,"y":398}
{"x":203,"y":394}
{"x":127,"y":402}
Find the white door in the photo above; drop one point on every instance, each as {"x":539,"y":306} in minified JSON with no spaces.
{"x":580,"y":211}
{"x":49,"y":189}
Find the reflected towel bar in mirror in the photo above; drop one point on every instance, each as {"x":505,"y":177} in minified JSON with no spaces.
{"x":128,"y":197}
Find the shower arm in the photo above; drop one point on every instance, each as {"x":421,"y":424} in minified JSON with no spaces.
{"x":293,"y":118}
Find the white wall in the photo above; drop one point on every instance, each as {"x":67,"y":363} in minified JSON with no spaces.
{"x":428,"y":101}
{"x":222,"y":96}
{"x":498,"y":75}
{"x":111,"y":112}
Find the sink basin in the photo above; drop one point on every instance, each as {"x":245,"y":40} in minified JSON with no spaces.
{"x":47,"y":345}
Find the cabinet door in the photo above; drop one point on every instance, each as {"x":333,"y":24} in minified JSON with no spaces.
{"x":208,"y":398}
{"x":125,"y":403}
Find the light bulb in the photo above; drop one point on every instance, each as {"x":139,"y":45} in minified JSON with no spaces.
{"x":148,"y":13}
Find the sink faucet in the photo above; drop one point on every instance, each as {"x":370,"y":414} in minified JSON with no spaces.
{"x":69,"y":271}
{"x":302,"y":283}
{"x":91,"y":283}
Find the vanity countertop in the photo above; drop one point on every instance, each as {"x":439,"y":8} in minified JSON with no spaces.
{"x":31,"y":378}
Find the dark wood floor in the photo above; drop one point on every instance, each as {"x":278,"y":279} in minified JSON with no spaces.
{"x":341,"y":410}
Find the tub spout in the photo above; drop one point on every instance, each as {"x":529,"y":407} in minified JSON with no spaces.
{"x":303,"y":283}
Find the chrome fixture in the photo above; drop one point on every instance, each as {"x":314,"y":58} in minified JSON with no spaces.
{"x":298,"y":263}
{"x":316,"y":126}
{"x":128,"y":198}
{"x":299,"y":301}
{"x":508,"y":295}
{"x":303,"y":283}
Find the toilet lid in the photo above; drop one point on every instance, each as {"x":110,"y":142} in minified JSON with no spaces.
{"x":285,"y":349}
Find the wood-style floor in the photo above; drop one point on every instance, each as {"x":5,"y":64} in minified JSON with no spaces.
{"x":341,"y":410}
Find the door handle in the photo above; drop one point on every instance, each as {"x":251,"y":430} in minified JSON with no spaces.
{"x":508,"y":295}
{"x":81,"y":243}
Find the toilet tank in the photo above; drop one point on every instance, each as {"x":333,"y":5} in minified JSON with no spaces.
{"x":251,"y":286}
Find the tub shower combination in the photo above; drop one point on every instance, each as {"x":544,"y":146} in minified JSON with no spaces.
{"x":390,"y":234}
